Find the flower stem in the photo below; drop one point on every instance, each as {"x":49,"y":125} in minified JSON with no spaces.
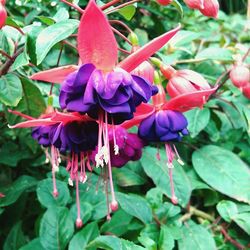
{"x":73,"y":6}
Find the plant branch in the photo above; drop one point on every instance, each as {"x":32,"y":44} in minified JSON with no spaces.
{"x":5,"y":54}
{"x":73,"y":6}
{"x":121,"y":24}
{"x":109,"y":4}
{"x":122,"y":6}
{"x":121,"y":35}
{"x":230,"y":239}
{"x":10,"y":61}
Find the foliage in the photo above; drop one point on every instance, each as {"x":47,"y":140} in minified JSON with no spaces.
{"x":213,"y":185}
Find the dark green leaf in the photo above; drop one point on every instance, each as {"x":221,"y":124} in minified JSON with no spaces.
{"x":158,"y":172}
{"x":136,"y":206}
{"x":21,"y":60}
{"x":15,"y":238}
{"x":86,"y":211}
{"x":14,"y":191}
{"x":10,"y":90}
{"x":224,"y":171}
{"x":82,"y":238}
{"x":33,"y":245}
{"x":45,"y":193}
{"x":166,"y":240}
{"x":56,"y":228}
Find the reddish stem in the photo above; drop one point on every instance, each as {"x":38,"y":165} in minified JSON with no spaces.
{"x":121,"y":35}
{"x":109,"y":4}
{"x":230,"y":239}
{"x":121,"y":6}
{"x":121,"y":24}
{"x":73,"y":6}
{"x":124,"y":51}
{"x":5,"y":54}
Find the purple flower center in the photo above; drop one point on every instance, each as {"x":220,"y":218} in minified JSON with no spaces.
{"x":163,"y":126}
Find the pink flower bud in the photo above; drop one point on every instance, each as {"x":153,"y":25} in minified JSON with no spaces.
{"x":145,"y":70}
{"x":164,"y":2}
{"x":211,"y":8}
{"x":240,"y":76}
{"x":246,"y":91}
{"x":195,"y":4}
{"x":186,"y":81}
{"x":3,"y":15}
{"x":114,"y":206}
{"x":79,"y":223}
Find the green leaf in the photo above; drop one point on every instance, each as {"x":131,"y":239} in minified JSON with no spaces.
{"x":52,"y":35}
{"x":197,"y":120}
{"x":33,"y":245}
{"x":61,"y":15}
{"x":178,"y":6}
{"x":14,"y":191}
{"x":195,"y":236}
{"x":118,"y":225}
{"x":10,"y":90}
{"x":15,"y":238}
{"x":224,"y":171}
{"x":45,"y":193}
{"x":127,"y":12}
{"x":86,"y":211}
{"x":231,"y":211}
{"x":32,"y":102}
{"x":113,"y":243}
{"x":166,"y":240}
{"x":219,"y":54}
{"x":158,"y":172}
{"x":56,"y":228}
{"x":21,"y":60}
{"x":82,"y":238}
{"x":46,"y":20}
{"x":131,"y":175}
{"x":11,"y":22}
{"x":147,"y":242}
{"x":136,"y":206}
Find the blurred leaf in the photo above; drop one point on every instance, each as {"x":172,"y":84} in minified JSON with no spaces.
{"x":14,"y":191}
{"x":10,"y":90}
{"x":15,"y":238}
{"x":130,"y":175}
{"x":178,"y":6}
{"x":83,"y":237}
{"x":219,"y":54}
{"x":45,"y":193}
{"x":52,"y":35}
{"x":158,"y":172}
{"x":21,"y":60}
{"x":46,"y":20}
{"x":118,"y":225}
{"x":147,"y":242}
{"x":127,"y":12}
{"x":195,"y":236}
{"x":33,"y":245}
{"x":230,"y":211}
{"x":56,"y":228}
{"x":113,"y":243}
{"x":224,"y":171}
{"x":197,"y":120}
{"x":136,"y":206}
{"x":166,"y":240}
{"x":61,"y":15}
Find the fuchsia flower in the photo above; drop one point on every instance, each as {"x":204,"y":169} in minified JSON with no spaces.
{"x":240,"y":76}
{"x":106,"y":91}
{"x":246,"y":90}
{"x":164,"y":2}
{"x":208,"y":8}
{"x":3,"y":14}
{"x":186,"y":85}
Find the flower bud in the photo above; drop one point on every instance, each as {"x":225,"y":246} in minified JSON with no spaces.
{"x":240,"y":75}
{"x":195,"y":4}
{"x":3,"y":15}
{"x":186,"y":81}
{"x":246,"y":91}
{"x":164,"y":2}
{"x":211,"y":8}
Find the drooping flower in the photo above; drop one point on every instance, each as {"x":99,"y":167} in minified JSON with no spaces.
{"x":3,"y":14}
{"x":187,"y":88}
{"x":208,"y":8}
{"x":240,"y":75}
{"x":100,"y":86}
{"x":73,"y":133}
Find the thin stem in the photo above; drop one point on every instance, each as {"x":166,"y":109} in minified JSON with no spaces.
{"x":124,"y":51}
{"x":121,"y":35}
{"x":246,"y":55}
{"x":230,"y":239}
{"x":109,"y":4}
{"x":5,"y":54}
{"x":17,"y":28}
{"x":57,"y":64}
{"x":69,"y":44}
{"x":188,"y":61}
{"x":122,"y":6}
{"x":121,"y":24}
{"x":73,"y":6}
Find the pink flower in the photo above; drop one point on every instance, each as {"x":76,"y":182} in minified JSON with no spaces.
{"x":164,"y":2}
{"x":246,"y":90}
{"x":3,"y":14}
{"x":240,"y":75}
{"x":208,"y":8}
{"x":145,"y":70}
{"x":187,"y":88}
